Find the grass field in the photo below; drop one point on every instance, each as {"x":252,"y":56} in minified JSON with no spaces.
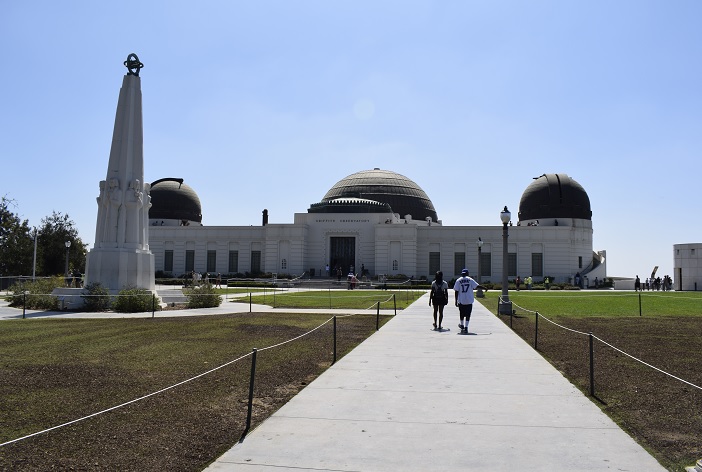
{"x":351,"y":299}
{"x":56,"y":371}
{"x":53,"y":371}
{"x":662,"y":413}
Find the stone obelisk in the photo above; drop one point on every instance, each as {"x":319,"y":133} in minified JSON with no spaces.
{"x":121,"y":257}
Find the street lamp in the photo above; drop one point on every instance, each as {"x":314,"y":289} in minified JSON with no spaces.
{"x":68,"y":247}
{"x":505,"y":305}
{"x":479,"y":293}
{"x":34,"y":263}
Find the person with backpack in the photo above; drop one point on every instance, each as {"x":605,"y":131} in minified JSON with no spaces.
{"x":463,"y":290}
{"x":439,"y":297}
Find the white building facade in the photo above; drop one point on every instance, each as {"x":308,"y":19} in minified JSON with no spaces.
{"x":380,"y":222}
{"x":687,"y":266}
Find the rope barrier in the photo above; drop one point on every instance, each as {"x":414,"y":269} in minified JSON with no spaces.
{"x":647,"y":364}
{"x":167,"y":388}
{"x":126,"y":403}
{"x":616,"y":349}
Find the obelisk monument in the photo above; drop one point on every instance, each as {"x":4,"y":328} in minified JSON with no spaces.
{"x":121,"y":257}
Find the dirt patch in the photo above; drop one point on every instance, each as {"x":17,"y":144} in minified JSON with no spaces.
{"x":663,"y":414}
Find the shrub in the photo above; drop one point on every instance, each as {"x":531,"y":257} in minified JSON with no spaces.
{"x":203,"y":296}
{"x":97,"y":298}
{"x":39,"y":296}
{"x":134,"y":300}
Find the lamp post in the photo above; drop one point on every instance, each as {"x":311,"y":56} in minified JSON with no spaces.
{"x":68,"y":247}
{"x":505,"y":305}
{"x":479,"y":293}
{"x":34,"y":263}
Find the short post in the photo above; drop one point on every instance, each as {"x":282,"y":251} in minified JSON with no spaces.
{"x":24,"y":303}
{"x":153,"y":305}
{"x":511,"y":316}
{"x":536,"y":333}
{"x":592,"y":365}
{"x":334,"y":352}
{"x":639,"y":303}
{"x":394,"y":303}
{"x":329,"y":298}
{"x":251,"y":392}
{"x":249,"y":302}
{"x":377,"y":316}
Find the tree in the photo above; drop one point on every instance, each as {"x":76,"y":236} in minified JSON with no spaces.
{"x":16,"y":244}
{"x":55,"y":230}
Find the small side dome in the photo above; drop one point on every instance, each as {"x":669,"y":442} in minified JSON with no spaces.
{"x":386,"y":187}
{"x":171,"y":199}
{"x":554,"y":196}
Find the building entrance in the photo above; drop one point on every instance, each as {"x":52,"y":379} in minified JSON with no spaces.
{"x":343,"y":254}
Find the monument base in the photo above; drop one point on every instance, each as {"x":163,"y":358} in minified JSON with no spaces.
{"x":119,"y":268}
{"x":69,"y":298}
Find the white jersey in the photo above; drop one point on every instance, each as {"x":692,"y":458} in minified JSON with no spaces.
{"x":464,"y":287}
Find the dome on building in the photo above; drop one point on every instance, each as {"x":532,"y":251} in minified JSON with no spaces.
{"x":554,"y":196}
{"x":386,"y":187}
{"x":171,"y":199}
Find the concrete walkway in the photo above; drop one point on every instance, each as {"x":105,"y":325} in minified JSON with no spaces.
{"x":413,"y":399}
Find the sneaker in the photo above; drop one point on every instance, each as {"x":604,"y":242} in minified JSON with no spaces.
{"x":465,"y":330}
{"x":460,"y":326}
{"x":439,"y":328}
{"x":434,"y":325}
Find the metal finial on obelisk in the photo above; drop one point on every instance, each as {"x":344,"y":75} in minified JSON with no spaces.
{"x":133,"y":64}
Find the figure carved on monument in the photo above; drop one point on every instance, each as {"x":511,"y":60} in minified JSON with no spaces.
{"x":134,"y":203}
{"x":113,"y":210}
{"x":133,"y":64}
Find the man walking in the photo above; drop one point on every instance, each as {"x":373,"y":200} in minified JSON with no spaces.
{"x":463,"y":293}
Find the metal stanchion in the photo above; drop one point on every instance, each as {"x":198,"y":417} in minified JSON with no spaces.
{"x":536,"y":333}
{"x":394,"y":303}
{"x":592,"y":365}
{"x":639,"y":303}
{"x":153,"y":305}
{"x":249,"y":302}
{"x":251,"y":393}
{"x":334,"y":358}
{"x":377,"y":317}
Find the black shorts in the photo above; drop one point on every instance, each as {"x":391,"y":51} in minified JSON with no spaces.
{"x":465,"y":310}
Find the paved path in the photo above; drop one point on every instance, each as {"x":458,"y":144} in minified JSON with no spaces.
{"x":412,"y":399}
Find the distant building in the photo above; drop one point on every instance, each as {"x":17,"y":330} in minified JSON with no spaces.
{"x":384,"y":222}
{"x":687,"y":266}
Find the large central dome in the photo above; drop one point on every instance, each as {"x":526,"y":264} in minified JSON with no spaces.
{"x":403,"y":195}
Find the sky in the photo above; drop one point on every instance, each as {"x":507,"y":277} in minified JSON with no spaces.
{"x":268,"y":104}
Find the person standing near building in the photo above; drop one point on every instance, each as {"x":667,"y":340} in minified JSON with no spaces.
{"x":637,"y":284}
{"x":463,"y":293}
{"x":439,"y":297}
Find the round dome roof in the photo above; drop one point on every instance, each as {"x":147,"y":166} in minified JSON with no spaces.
{"x":171,"y":199}
{"x":403,"y":195}
{"x":554,"y":196}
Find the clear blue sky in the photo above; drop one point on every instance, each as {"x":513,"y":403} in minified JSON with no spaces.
{"x":267,"y":104}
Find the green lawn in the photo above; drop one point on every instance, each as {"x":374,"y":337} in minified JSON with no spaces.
{"x":350,"y":299}
{"x":600,"y":303}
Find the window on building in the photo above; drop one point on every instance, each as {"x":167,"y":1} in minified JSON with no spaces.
{"x":537,"y":264}
{"x":395,"y":265}
{"x":580,"y":262}
{"x":692,"y":252}
{"x":233,"y":262}
{"x":168,"y":261}
{"x":211,"y":261}
{"x":459,"y":262}
{"x":485,"y":264}
{"x":255,"y":262}
{"x":284,"y":264}
{"x":189,"y":260}
{"x":512,"y":264}
{"x":434,"y":263}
